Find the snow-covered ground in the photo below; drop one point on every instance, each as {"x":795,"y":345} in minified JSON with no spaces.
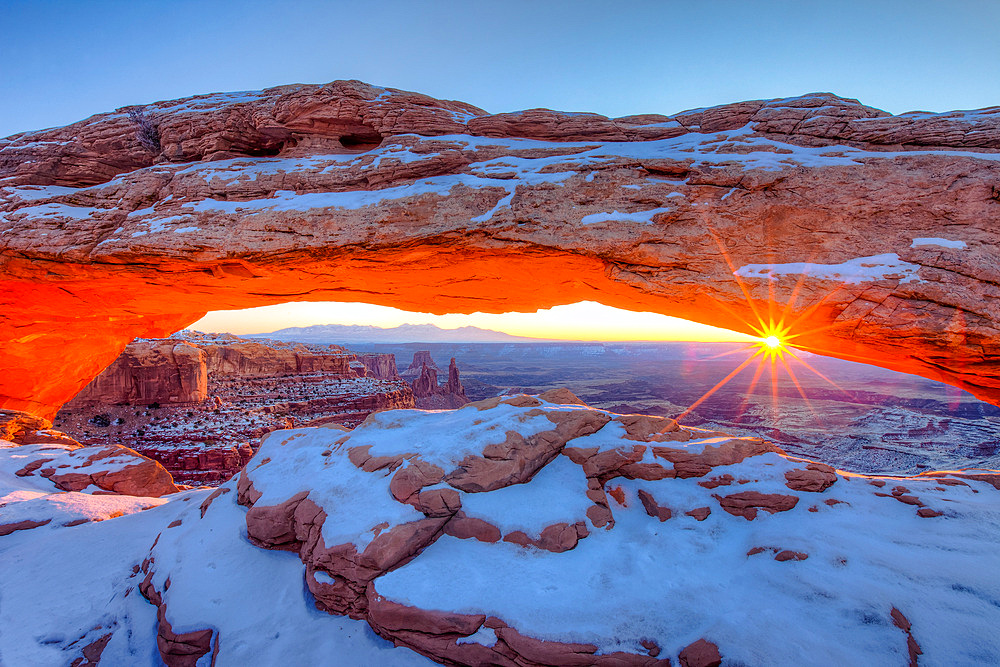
{"x":772,"y":559}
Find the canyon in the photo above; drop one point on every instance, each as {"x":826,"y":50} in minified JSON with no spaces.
{"x":813,"y":214}
{"x":199,"y":403}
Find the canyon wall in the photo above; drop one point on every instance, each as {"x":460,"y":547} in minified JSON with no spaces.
{"x":855,"y":233}
{"x":381,"y":366}
{"x":176,"y":369}
{"x":151,"y":371}
{"x":199,"y":403}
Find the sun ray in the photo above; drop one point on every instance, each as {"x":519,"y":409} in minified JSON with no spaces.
{"x":811,"y":368}
{"x":809,"y":311}
{"x":719,"y":384}
{"x":793,"y":297}
{"x":777,"y":338}
{"x":753,"y":385}
{"x":847,"y":356}
{"x":745,"y":348}
{"x":732,"y":268}
{"x":802,"y":393}
{"x":774,"y":389}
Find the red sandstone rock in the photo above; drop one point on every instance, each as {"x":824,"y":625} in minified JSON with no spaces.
{"x":381,"y":366}
{"x":427,"y":394}
{"x":389,"y":615}
{"x":517,"y":459}
{"x":109,"y":468}
{"x":15,"y":426}
{"x":464,"y":527}
{"x":421,"y":358}
{"x":721,"y":480}
{"x":903,"y":623}
{"x":148,"y":372}
{"x":561,"y":396}
{"x":27,"y":524}
{"x":408,"y":481}
{"x":92,"y":652}
{"x":899,"y":620}
{"x":700,"y":513}
{"x":546,"y":652}
{"x":652,"y":508}
{"x":701,"y":653}
{"x":555,"y":538}
{"x":733,"y":450}
{"x":646,"y":428}
{"x":870,"y":195}
{"x":817,"y":477}
{"x":746,"y":503}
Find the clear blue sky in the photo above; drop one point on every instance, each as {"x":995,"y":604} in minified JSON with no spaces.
{"x":61,"y":61}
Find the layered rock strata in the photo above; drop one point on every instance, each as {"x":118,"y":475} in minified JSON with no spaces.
{"x":176,"y":369}
{"x":818,"y":212}
{"x":524,"y":531}
{"x":202,"y":416}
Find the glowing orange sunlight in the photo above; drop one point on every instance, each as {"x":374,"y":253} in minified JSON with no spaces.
{"x":773,"y":344}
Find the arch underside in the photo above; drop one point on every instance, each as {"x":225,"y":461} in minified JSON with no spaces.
{"x":878,"y":256}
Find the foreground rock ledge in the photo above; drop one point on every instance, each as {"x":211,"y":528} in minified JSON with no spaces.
{"x":524,"y":531}
{"x":871,"y":235}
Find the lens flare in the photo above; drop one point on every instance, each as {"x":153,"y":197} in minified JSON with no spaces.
{"x":776,"y":340}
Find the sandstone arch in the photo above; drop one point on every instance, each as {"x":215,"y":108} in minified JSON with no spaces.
{"x":875,"y":233}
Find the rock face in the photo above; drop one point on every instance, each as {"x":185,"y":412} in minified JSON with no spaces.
{"x":518,"y":531}
{"x":176,"y":369}
{"x":202,"y":420}
{"x":427,"y":393}
{"x":817,"y":210}
{"x":381,"y":366}
{"x":421,"y":359}
{"x":150,"y":371}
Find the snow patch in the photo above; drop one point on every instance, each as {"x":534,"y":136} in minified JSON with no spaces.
{"x":644,"y":217}
{"x":851,"y":272}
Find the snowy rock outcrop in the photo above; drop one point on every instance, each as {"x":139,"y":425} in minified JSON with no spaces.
{"x":523,"y":531}
{"x":830,"y":209}
{"x":49,"y":479}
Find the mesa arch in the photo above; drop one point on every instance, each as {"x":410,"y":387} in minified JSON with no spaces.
{"x":874,"y":234}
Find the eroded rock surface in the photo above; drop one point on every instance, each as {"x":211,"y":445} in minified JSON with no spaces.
{"x":351,"y":192}
{"x":428,"y":393}
{"x":201,"y":412}
{"x":48,"y":480}
{"x":524,"y":531}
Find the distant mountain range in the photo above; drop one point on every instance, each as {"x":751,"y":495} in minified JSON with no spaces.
{"x":405,"y":333}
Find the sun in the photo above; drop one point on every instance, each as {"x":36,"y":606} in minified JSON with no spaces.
{"x":778,"y":340}
{"x":773,"y":340}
